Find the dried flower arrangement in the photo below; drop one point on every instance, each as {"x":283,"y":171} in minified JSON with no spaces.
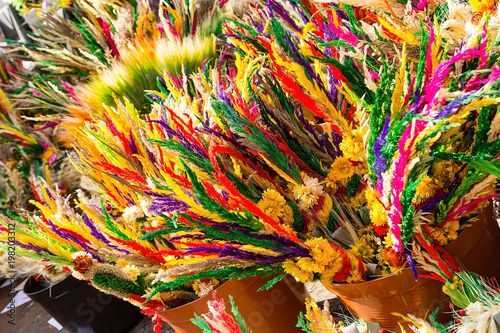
{"x":343,"y":136}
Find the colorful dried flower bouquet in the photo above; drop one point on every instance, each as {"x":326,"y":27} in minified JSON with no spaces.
{"x":341,"y":137}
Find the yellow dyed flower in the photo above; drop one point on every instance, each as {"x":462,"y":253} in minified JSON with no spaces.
{"x":291,"y":268}
{"x":331,"y":185}
{"x":438,"y":235}
{"x":310,"y":265}
{"x":82,"y":261}
{"x":426,"y":188}
{"x":482,"y":5}
{"x":361,"y":168}
{"x":441,"y":171}
{"x":340,"y":171}
{"x":357,"y":201}
{"x":273,"y":204}
{"x":378,"y":214}
{"x":321,"y":250}
{"x":362,"y":248}
{"x":387,"y":242}
{"x":451,"y":229}
{"x":353,"y":147}
{"x":335,"y":265}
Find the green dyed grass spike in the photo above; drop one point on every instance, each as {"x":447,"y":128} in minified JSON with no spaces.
{"x":303,"y":323}
{"x":272,"y":282}
{"x":198,"y":321}
{"x":239,"y":319}
{"x":110,"y":224}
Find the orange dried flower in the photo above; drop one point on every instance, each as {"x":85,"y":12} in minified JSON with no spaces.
{"x":82,"y":263}
{"x":394,"y":258}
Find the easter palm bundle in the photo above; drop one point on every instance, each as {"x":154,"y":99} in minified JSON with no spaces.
{"x":28,"y":151}
{"x":60,"y":234}
{"x":83,"y":238}
{"x":333,"y":144}
{"x":449,"y":169}
{"x":271,"y":143}
{"x":226,"y":209}
{"x":254,"y":162}
{"x":118,"y":49}
{"x":431,"y":149}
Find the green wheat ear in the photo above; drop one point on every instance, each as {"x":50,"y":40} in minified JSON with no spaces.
{"x":138,"y":73}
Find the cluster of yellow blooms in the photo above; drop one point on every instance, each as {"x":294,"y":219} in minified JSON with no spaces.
{"x":363,"y":247}
{"x":340,"y":172}
{"x":352,"y":146}
{"x":446,"y":234}
{"x":328,"y":263}
{"x":378,"y":213}
{"x":442,"y":176}
{"x":274,"y":205}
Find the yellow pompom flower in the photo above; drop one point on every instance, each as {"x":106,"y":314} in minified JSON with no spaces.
{"x":371,"y":196}
{"x":291,"y":268}
{"x":331,"y":186}
{"x":353,"y":147}
{"x":310,"y":265}
{"x":378,"y":214}
{"x":340,"y":171}
{"x":482,"y":6}
{"x":332,"y":269}
{"x":362,"y":248}
{"x":321,"y":250}
{"x":426,"y":188}
{"x":273,"y":204}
